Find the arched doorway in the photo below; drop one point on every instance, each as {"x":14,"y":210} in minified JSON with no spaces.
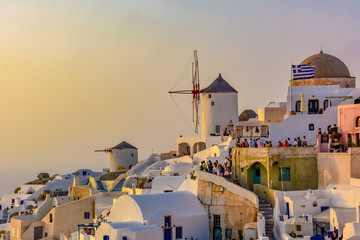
{"x":184,"y":149}
{"x":257,"y":174}
{"x":199,"y":146}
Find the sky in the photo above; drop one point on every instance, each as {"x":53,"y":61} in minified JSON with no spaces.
{"x":76,"y":76}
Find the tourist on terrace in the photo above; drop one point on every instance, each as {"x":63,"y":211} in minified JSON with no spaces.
{"x":293,"y":234}
{"x":334,"y":129}
{"x":334,"y":236}
{"x":319,"y":131}
{"x":251,"y":143}
{"x":202,"y":166}
{"x":304,"y":142}
{"x":210,"y":167}
{"x":289,"y":142}
{"x":246,"y":143}
{"x":286,"y":144}
{"x":329,"y":129}
{"x":270,"y":144}
{"x":295,"y":142}
{"x":299,"y":141}
{"x":280,"y":144}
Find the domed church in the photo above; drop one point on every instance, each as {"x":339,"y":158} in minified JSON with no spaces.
{"x":329,"y":70}
{"x":312,"y":102}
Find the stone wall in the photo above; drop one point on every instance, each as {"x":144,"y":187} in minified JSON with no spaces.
{"x":220,"y":197}
{"x":338,"y":168}
{"x":79,"y":192}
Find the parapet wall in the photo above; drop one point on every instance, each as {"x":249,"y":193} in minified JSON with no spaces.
{"x":235,"y":206}
{"x":229,"y":186}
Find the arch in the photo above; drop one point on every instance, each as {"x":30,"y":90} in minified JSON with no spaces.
{"x":357,"y":121}
{"x":184,"y":148}
{"x":199,"y":146}
{"x":257,"y":173}
{"x":357,"y":101}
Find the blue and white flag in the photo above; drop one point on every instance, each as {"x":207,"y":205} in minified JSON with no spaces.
{"x":303,"y":71}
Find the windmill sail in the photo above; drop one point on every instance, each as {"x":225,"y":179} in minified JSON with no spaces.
{"x":195,"y":91}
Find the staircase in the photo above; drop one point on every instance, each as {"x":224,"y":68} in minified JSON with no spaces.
{"x":267,"y":211}
{"x":100,"y":186}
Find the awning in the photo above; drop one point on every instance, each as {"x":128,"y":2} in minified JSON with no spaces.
{"x":324,"y":216}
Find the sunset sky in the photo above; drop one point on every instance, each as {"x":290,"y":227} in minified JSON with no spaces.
{"x":76,"y":76}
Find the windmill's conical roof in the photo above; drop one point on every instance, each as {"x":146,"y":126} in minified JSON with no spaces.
{"x":219,"y":86}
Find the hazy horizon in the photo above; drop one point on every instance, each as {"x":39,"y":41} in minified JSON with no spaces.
{"x":86,"y":75}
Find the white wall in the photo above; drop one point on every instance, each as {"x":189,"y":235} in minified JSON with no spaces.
{"x":298,"y":126}
{"x":123,"y":157}
{"x":225,"y":109}
{"x":316,"y":92}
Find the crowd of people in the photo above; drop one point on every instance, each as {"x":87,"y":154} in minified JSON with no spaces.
{"x":296,"y":143}
{"x":216,"y":167}
{"x":253,"y":143}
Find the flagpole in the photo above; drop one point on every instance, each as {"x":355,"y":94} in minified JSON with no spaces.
{"x":291,"y":77}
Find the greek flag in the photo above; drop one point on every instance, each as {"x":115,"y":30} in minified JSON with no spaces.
{"x":303,"y":71}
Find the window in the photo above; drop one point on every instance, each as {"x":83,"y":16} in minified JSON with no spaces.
{"x":228,"y":233}
{"x":86,"y":215}
{"x":298,"y":228}
{"x":132,"y":155}
{"x":217,"y":221}
{"x":242,"y":169}
{"x":106,"y":237}
{"x":311,"y":127}
{"x":217,"y":128}
{"x":212,"y":103}
{"x":167,"y":221}
{"x":0,"y":207}
{"x":326,"y":104}
{"x":178,"y":233}
{"x":13,"y":200}
{"x":285,"y":172}
{"x":297,"y":106}
{"x":51,"y":218}
{"x":84,"y":173}
{"x":313,"y":106}
{"x":209,"y":95}
{"x":124,"y":238}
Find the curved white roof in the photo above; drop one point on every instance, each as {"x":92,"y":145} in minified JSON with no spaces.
{"x":154,"y":206}
{"x":180,"y":168}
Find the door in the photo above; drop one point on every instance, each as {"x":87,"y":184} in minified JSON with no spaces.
{"x":257,"y":176}
{"x":217,"y":234}
{"x":38,"y":232}
{"x":287,"y":210}
{"x":313,"y":106}
{"x":167,"y":234}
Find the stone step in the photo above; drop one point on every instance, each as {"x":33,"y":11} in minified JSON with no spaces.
{"x":265,"y":205}
{"x":267,"y":209}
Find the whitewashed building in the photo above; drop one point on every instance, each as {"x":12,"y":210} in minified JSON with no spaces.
{"x":175,"y":215}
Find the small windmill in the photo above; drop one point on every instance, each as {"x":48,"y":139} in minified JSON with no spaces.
{"x":195,"y":91}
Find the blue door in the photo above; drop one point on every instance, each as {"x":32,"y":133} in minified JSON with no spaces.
{"x":287,"y":210}
{"x":257,"y":176}
{"x":167,"y":234}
